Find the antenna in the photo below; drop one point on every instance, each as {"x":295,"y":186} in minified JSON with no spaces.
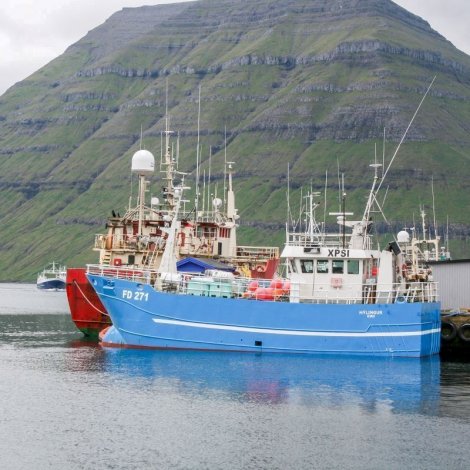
{"x":383,"y":154}
{"x":166,"y":97}
{"x":204,"y":192}
{"x":376,"y":187}
{"x":178,"y":150}
{"x":225,"y":167}
{"x":433,"y":207}
{"x":405,"y":133}
{"x":385,"y":196}
{"x":141,"y":137}
{"x":161,"y":150}
{"x":447,"y":239}
{"x":288,"y":194}
{"x":372,"y":194}
{"x":343,"y":210}
{"x":209,"y":178}
{"x":339,"y":184}
{"x":197,"y":150}
{"x":324,"y":208}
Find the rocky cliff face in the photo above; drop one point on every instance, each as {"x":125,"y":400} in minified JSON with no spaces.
{"x":314,"y":84}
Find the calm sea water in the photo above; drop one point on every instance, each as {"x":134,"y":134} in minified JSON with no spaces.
{"x":68,"y":403}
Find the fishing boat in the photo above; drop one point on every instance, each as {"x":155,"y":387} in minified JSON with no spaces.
{"x":339,"y":296}
{"x":52,"y":277}
{"x":137,"y":240}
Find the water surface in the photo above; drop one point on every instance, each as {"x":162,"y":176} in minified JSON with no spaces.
{"x":68,"y":403}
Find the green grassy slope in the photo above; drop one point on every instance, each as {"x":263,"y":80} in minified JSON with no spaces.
{"x":299,"y":83}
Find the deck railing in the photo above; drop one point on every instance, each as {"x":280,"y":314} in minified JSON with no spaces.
{"x":121,"y":242}
{"x":321,"y":240}
{"x":226,"y":285}
{"x":250,"y":252}
{"x":126,"y":242}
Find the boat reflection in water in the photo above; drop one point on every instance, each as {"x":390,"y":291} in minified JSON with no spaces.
{"x":399,"y":384}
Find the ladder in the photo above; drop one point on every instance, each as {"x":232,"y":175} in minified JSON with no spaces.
{"x":106,"y":258}
{"x":151,"y":256}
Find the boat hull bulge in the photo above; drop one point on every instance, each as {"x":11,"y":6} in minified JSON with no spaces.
{"x":144,"y":317}
{"x":86,"y":309}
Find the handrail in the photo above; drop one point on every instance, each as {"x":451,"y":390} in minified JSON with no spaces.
{"x":257,"y":251}
{"x":222,"y":284}
{"x":127,"y":242}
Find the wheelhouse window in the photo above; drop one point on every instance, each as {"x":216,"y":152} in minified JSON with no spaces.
{"x":353,"y":266}
{"x":306,"y":265}
{"x":322,"y":266}
{"x":338,"y":266}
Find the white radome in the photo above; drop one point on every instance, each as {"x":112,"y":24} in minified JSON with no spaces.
{"x":403,"y":237}
{"x":143,"y":162}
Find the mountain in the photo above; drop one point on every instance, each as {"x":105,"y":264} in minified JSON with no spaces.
{"x":309,"y":83}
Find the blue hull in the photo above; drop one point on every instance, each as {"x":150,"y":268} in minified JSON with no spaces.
{"x":143,"y":317}
{"x":51,"y":284}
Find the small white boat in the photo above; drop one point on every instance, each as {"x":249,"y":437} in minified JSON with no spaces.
{"x":52,"y":277}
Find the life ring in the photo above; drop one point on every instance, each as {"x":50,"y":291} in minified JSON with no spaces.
{"x":260,"y":268}
{"x":400,"y":299}
{"x":448,"y":331}
{"x":464,"y":332}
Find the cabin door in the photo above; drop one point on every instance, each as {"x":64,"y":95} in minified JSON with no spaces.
{"x":307,"y":268}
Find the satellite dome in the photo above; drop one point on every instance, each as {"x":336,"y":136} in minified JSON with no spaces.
{"x":216,"y":202}
{"x":403,"y":237}
{"x":143,"y":162}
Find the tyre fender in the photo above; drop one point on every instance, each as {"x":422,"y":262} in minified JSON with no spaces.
{"x":448,"y":331}
{"x":464,"y":332}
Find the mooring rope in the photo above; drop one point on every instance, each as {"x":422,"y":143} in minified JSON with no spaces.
{"x":86,"y":298}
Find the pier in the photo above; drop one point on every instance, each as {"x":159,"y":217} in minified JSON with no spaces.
{"x":455,"y":333}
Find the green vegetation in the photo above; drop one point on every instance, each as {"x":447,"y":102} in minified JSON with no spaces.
{"x":292,"y":83}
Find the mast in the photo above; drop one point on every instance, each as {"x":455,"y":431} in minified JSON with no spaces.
{"x":372,"y":194}
{"x":231,"y":211}
{"x":142,"y":185}
{"x":168,"y":162}
{"x":168,"y":263}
